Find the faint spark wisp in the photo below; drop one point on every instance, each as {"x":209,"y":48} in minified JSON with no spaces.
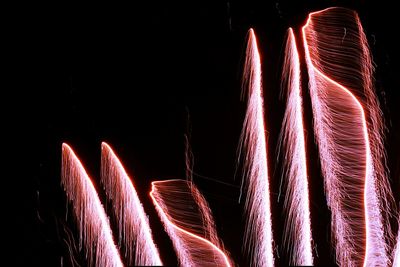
{"x":94,"y":229}
{"x":133,"y":225}
{"x":297,"y":232}
{"x":252,"y":151}
{"x":187,"y":220}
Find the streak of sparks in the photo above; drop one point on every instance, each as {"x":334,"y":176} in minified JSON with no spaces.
{"x":252,"y":150}
{"x":349,"y":130}
{"x":94,"y":229}
{"x":298,"y":226}
{"x":134,"y":230}
{"x":349,"y":137}
{"x":188,"y":221}
{"x":396,"y":251}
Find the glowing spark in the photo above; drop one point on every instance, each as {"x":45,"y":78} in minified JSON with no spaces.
{"x":252,"y":150}
{"x":94,"y":228}
{"x":349,"y":137}
{"x":188,"y":221}
{"x":298,"y":227}
{"x":133,"y":224}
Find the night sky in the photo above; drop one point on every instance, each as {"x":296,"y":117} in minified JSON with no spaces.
{"x":136,"y":76}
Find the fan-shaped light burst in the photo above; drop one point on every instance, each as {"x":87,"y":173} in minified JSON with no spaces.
{"x":252,"y":151}
{"x":189,"y":223}
{"x":297,"y":225}
{"x":348,"y":129}
{"x":94,"y":229}
{"x":133,"y":225}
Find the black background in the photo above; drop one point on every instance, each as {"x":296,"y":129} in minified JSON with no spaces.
{"x":130,"y":75}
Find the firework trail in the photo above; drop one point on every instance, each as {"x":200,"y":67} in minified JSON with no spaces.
{"x":189,"y":223}
{"x":396,"y":252}
{"x":94,"y":228}
{"x":297,"y":226}
{"x":349,"y":133}
{"x":252,"y":151}
{"x":134,"y":230}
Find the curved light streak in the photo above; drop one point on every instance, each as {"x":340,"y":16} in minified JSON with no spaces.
{"x":349,"y":140}
{"x":188,"y":221}
{"x":253,"y":152}
{"x":134,"y":229}
{"x":94,"y":229}
{"x":297,"y":225}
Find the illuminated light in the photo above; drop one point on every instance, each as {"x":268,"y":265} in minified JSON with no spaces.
{"x":133,"y":225}
{"x":252,"y":151}
{"x":297,"y":233}
{"x":94,"y":229}
{"x":349,"y":132}
{"x":396,"y":251}
{"x":350,"y":138}
{"x":188,"y":221}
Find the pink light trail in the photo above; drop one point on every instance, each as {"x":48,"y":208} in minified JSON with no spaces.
{"x":396,"y":250}
{"x":188,"y":221}
{"x":297,"y":225}
{"x":133,"y":225}
{"x":349,"y":131}
{"x":349,"y":137}
{"x":253,"y":151}
{"x":94,"y":229}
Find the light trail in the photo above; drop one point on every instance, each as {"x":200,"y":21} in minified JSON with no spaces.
{"x":94,"y":229}
{"x":252,"y":150}
{"x":349,"y":132}
{"x":350,"y":138}
{"x":188,"y":221}
{"x":396,"y":250}
{"x":133,"y":225}
{"x":297,"y":232}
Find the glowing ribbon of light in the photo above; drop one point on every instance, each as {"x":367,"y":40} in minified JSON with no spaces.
{"x":253,"y":152}
{"x":94,"y":229}
{"x":134,"y":229}
{"x":187,"y":220}
{"x":348,"y":129}
{"x":297,"y":225}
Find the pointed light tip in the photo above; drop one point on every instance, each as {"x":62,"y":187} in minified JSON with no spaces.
{"x":65,"y":146}
{"x":290,"y":34}
{"x":104,"y":146}
{"x":251,"y":37}
{"x":251,"y":33}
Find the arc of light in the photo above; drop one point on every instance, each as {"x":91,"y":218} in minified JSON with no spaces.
{"x":134,"y":228}
{"x":188,"y":221}
{"x":297,"y":226}
{"x":252,"y":150}
{"x":93,"y":224}
{"x":349,"y":140}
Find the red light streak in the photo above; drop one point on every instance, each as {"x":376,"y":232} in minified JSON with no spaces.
{"x":134,"y":229}
{"x":253,"y":151}
{"x":93,"y":224}
{"x":187,"y":220}
{"x":349,"y":140}
{"x":298,"y":226}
